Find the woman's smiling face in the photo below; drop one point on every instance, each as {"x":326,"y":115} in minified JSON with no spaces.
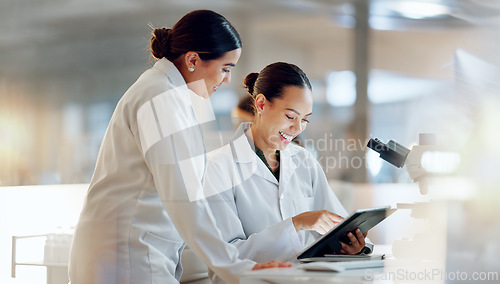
{"x":283,"y":118}
{"x":218,"y":71}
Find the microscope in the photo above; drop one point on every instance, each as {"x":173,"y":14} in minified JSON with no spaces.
{"x":424,"y":163}
{"x":415,"y":159}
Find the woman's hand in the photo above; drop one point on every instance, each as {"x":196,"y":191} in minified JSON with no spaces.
{"x":271,"y":264}
{"x":357,"y":243}
{"x":320,"y":221}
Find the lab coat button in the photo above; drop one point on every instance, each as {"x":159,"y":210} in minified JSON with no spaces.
{"x":282,"y":196}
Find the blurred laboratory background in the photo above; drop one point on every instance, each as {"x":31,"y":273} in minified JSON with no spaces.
{"x":379,"y":68}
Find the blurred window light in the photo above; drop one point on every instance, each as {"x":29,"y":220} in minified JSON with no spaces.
{"x":383,"y":87}
{"x":301,"y":5}
{"x":319,"y":91}
{"x":98,"y":117}
{"x":345,"y":16}
{"x":383,"y":23}
{"x":388,"y":87}
{"x":419,"y":9}
{"x":73,"y":120}
{"x":348,"y":8}
{"x":439,"y":162}
{"x":474,"y":70}
{"x":411,"y":9}
{"x":374,"y":163}
{"x":341,"y":88}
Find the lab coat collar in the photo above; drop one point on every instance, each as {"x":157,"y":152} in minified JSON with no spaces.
{"x":173,"y":74}
{"x":244,"y":151}
{"x":247,"y":158}
{"x":176,"y":79}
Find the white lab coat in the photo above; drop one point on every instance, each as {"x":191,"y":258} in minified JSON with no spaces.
{"x":255,"y":211}
{"x":148,"y":178}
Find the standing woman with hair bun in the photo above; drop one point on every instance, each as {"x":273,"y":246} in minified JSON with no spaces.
{"x":145,"y":197}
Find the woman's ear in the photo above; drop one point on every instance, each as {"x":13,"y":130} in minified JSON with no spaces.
{"x":192,"y":60}
{"x":260,"y":102}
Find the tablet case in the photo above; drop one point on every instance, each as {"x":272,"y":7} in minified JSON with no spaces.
{"x":329,"y":243}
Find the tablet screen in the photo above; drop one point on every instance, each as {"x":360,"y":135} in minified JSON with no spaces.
{"x":329,"y":243}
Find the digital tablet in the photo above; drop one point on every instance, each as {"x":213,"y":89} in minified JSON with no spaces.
{"x":329,"y":243}
{"x":343,"y":258}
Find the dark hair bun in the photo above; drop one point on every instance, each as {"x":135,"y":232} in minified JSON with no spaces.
{"x":202,"y":31}
{"x":250,"y":82}
{"x":160,"y":42}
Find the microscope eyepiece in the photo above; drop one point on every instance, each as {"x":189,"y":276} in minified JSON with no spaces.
{"x":392,"y":152}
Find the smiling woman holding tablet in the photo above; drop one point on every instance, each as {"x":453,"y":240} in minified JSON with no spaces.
{"x":274,"y":198}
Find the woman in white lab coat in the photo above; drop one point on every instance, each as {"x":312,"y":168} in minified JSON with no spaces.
{"x":274,"y":197}
{"x":145,"y":195}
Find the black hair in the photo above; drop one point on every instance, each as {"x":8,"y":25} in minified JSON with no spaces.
{"x":247,"y":104}
{"x":203,"y":31}
{"x":274,"y":78}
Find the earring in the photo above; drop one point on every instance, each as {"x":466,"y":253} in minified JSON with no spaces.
{"x":191,"y":69}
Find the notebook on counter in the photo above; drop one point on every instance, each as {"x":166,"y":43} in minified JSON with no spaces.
{"x":341,"y":266}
